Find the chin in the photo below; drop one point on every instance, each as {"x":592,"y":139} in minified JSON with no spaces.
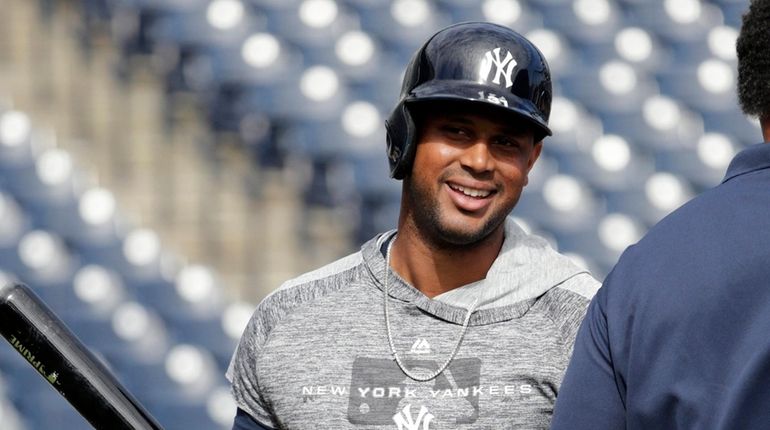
{"x":463,"y":235}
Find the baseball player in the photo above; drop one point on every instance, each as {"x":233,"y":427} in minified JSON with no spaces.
{"x":677,"y":338}
{"x":458,"y":319}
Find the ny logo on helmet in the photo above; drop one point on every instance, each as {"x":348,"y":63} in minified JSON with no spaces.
{"x":504,"y":67}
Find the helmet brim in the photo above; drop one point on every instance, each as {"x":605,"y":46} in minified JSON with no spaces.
{"x":483,"y":95}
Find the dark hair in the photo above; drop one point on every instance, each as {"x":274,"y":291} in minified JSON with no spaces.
{"x":753,"y":48}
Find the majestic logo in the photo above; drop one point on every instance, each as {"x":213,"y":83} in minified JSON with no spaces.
{"x":420,"y":346}
{"x":404,"y":419}
{"x":504,"y":67}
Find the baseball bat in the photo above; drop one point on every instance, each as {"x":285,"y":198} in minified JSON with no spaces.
{"x":46,"y":343}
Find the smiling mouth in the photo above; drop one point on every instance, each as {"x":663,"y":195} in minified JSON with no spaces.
{"x":471,"y":192}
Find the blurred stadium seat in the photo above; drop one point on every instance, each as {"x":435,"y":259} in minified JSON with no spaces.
{"x":583,"y":21}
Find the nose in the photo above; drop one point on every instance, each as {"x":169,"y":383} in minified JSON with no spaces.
{"x":477,"y":157}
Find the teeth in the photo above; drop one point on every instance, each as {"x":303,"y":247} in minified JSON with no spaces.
{"x":471,"y":191}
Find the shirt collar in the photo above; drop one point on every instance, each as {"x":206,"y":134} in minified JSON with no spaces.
{"x":754,"y":157}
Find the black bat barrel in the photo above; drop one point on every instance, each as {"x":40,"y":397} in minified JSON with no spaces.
{"x":36,"y":333}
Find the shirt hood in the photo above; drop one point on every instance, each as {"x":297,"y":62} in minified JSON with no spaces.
{"x":526,"y":268}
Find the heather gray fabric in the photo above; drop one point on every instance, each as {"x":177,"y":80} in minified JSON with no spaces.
{"x":315,"y":353}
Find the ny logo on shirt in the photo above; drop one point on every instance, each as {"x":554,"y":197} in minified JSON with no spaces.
{"x":404,"y":419}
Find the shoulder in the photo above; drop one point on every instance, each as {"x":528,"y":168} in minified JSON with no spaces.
{"x":300,"y":292}
{"x":565,"y":304}
{"x":317,"y":282}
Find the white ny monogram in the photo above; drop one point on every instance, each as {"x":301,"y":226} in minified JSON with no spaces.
{"x":504,"y":67}
{"x":404,"y":419}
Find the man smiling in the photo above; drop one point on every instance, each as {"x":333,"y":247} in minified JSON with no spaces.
{"x":457,"y":319}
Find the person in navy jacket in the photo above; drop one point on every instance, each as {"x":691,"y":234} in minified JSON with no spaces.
{"x":678,"y":337}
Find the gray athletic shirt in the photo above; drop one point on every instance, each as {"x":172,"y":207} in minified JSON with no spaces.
{"x":315,"y":354}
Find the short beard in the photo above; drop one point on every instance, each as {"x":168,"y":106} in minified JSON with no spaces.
{"x":427,"y":222}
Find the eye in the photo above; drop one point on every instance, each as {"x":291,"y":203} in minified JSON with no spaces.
{"x":455,"y":131}
{"x":508,"y":142}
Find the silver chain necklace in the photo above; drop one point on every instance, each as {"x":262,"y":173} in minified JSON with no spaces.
{"x":390,"y":336}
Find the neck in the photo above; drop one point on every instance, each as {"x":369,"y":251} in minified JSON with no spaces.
{"x":435,"y":269}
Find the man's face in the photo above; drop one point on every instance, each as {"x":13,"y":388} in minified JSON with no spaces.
{"x":468,"y":173}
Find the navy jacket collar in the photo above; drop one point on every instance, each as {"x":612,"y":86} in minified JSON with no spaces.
{"x":754,"y":157}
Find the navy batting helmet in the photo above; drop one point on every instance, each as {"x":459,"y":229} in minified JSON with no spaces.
{"x":474,"y":62}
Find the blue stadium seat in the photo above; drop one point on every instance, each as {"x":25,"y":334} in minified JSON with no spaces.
{"x":214,"y":412}
{"x":147,"y":381}
{"x":274,"y":5}
{"x":563,"y":203}
{"x":733,"y":11}
{"x":675,"y":20}
{"x":657,"y":122}
{"x":116,"y":341}
{"x":549,"y":3}
{"x":210,"y":23}
{"x":313,"y":24}
{"x":379,"y":196}
{"x":358,"y":128}
{"x":382,"y":88}
{"x":330,"y":183}
{"x":558,"y":51}
{"x":515,"y":14}
{"x":358,"y":56}
{"x":196,"y":316}
{"x":156,"y":291}
{"x":573,"y":127}
{"x":187,"y":374}
{"x":708,"y":85}
{"x":14,"y":224}
{"x":402,"y":25}
{"x":660,"y":194}
{"x":17,"y":373}
{"x":132,"y":24}
{"x":184,"y":415}
{"x":205,"y":331}
{"x":588,"y":244}
{"x":316,"y":92}
{"x":734,"y":124}
{"x":250,"y":76}
{"x":704,"y":164}
{"x":610,"y":163}
{"x":186,"y":39}
{"x":89,"y":223}
{"x":643,"y":50}
{"x":12,"y":420}
{"x":612,"y":87}
{"x":44,"y":263}
{"x":16,"y":152}
{"x":583,"y":21}
{"x":604,"y":241}
{"x":329,"y":149}
{"x":58,"y":414}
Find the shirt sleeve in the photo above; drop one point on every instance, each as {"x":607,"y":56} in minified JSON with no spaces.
{"x":243,"y":421}
{"x":243,"y":372}
{"x":589,"y":397}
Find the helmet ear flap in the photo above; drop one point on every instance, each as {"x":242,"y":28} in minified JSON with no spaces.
{"x":401,"y":135}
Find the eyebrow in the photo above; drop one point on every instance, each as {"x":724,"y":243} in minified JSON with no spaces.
{"x":505,"y":129}
{"x":458,"y":118}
